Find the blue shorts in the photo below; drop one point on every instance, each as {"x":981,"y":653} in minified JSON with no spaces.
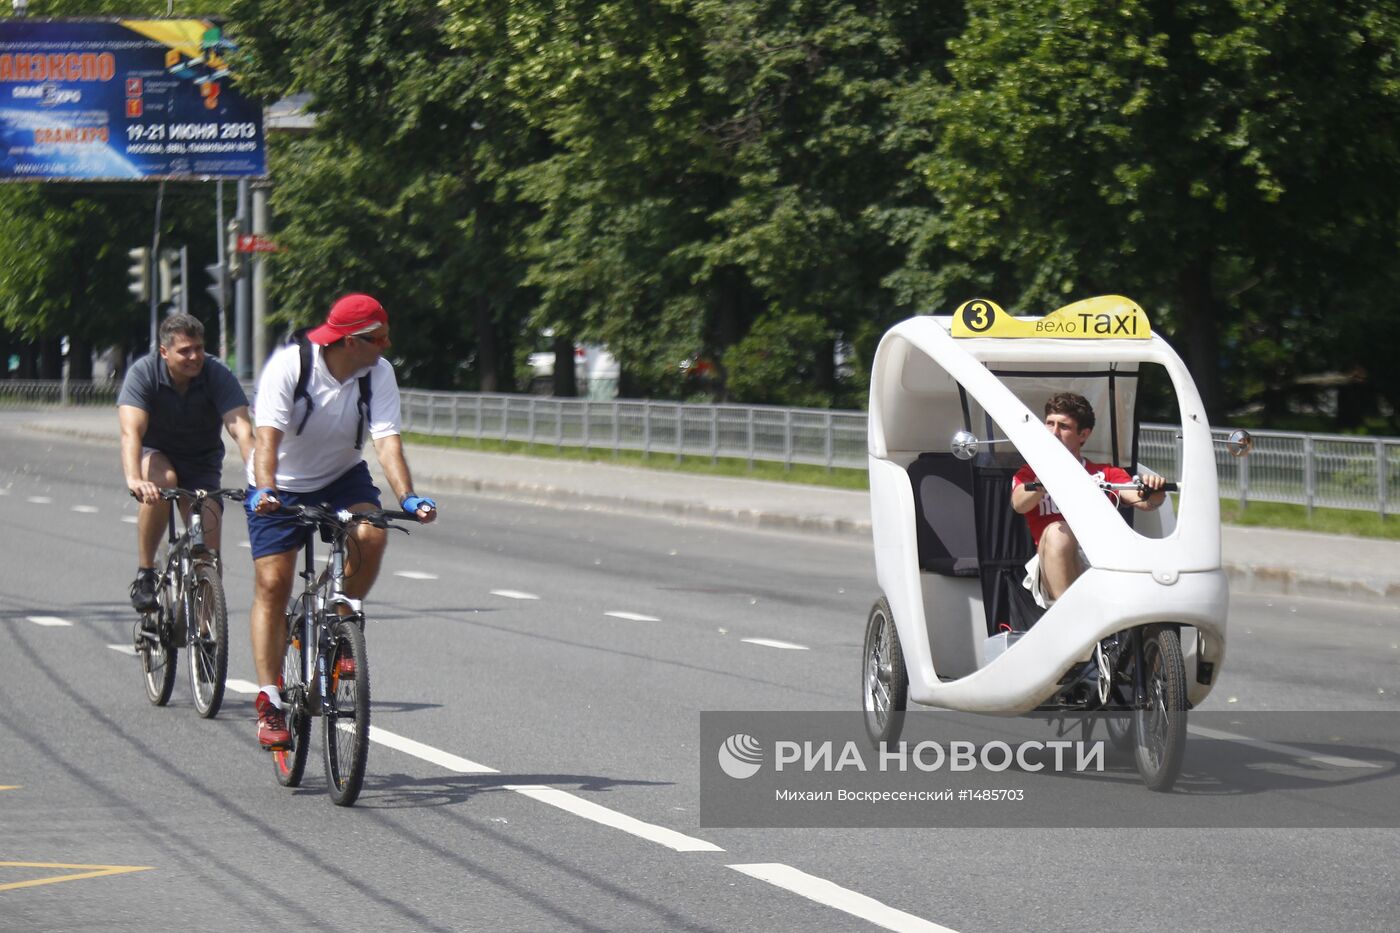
{"x":276,"y":534}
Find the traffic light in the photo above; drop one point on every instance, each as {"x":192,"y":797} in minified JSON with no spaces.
{"x":140,"y":271}
{"x":172,"y":279}
{"x":233,"y":260}
{"x":169,"y":269}
{"x":216,"y":287}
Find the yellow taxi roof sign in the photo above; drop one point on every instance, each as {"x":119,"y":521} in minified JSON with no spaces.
{"x":1106,"y":317}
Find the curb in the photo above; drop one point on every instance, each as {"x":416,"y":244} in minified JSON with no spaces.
{"x":1284,"y":581}
{"x":750,"y":518}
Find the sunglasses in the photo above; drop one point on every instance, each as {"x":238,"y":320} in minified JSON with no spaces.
{"x":378,"y":338}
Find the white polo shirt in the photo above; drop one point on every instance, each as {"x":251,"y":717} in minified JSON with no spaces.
{"x":325,"y":449}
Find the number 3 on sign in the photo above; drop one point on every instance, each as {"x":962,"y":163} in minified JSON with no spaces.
{"x":978,"y":315}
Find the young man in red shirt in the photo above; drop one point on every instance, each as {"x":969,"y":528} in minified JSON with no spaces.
{"x":1058,"y":561}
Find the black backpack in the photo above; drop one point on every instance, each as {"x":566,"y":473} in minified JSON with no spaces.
{"x":362,"y":407}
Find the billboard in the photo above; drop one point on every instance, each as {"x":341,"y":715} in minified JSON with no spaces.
{"x":124,"y":99}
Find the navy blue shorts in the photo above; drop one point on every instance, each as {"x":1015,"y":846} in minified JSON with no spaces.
{"x":194,"y":474}
{"x":275,"y":534}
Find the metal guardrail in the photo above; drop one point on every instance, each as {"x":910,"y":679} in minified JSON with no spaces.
{"x":783,"y":435}
{"x":1312,"y":470}
{"x":26,"y":393}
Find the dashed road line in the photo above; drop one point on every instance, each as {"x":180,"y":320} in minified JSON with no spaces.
{"x":843,"y":899}
{"x":773,"y":643}
{"x":129,"y":519}
{"x":85,"y":509}
{"x":513,"y":594}
{"x":124,"y":649}
{"x":50,"y":621}
{"x":632,"y":616}
{"x":39,"y":500}
{"x":415,"y":575}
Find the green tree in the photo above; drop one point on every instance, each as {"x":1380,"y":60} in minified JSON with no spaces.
{"x":397,"y":190}
{"x":1203,"y":157}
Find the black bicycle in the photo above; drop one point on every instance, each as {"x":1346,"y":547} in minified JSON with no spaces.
{"x":325,"y":672}
{"x":191,"y":611}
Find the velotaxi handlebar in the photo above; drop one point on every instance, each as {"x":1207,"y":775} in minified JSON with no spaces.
{"x":1136,"y":485}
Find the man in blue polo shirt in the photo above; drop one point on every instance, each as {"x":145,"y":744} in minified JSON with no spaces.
{"x":172,"y":406}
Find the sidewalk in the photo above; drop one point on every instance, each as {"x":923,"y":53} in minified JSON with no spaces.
{"x":1258,"y":560}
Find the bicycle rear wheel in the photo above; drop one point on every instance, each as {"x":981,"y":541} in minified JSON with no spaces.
{"x":155,"y":648}
{"x":345,"y":727}
{"x":290,"y":763}
{"x":208,"y":658}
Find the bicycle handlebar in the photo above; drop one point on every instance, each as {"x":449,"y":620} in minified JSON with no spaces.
{"x":175,"y":492}
{"x":315,"y":515}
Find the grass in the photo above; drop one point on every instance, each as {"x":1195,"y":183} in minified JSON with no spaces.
{"x":838,"y":477}
{"x":1354,"y":522}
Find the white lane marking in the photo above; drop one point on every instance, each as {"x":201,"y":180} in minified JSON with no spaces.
{"x":129,"y":519}
{"x":394,"y":740}
{"x":772,"y":643}
{"x":85,"y":509}
{"x":1290,"y":751}
{"x":124,"y":649}
{"x":427,"y":752}
{"x":51,"y":621}
{"x":833,"y":895}
{"x":415,"y":575}
{"x":823,"y":892}
{"x":39,"y":500}
{"x":247,"y":544}
{"x":632,"y":616}
{"x":513,"y":594}
{"x":600,"y":814}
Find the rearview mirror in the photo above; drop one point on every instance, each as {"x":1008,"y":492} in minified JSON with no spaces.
{"x":1239,"y":443}
{"x":964,"y":445}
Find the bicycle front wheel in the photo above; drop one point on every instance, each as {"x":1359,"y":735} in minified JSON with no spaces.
{"x":208,"y":658}
{"x":345,"y":726}
{"x":289,"y":763}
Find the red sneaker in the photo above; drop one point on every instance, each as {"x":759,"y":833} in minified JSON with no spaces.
{"x":272,"y":724}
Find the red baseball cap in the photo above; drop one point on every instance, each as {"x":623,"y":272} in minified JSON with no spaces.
{"x":350,"y":315}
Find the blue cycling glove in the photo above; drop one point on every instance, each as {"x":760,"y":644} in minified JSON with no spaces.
{"x":414,"y":503}
{"x":257,"y":495}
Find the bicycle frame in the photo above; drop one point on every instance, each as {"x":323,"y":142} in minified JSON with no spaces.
{"x":321,"y":595}
{"x":186,"y":550}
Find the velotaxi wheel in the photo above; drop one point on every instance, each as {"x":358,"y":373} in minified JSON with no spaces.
{"x":885,"y":684}
{"x":1159,"y":727}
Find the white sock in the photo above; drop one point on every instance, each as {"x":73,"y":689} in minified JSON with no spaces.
{"x":274,"y":696}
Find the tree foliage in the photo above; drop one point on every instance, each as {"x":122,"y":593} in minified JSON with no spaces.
{"x":1201,"y":156}
{"x":758,"y":189}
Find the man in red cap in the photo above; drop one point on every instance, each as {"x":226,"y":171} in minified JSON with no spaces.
{"x":316,"y":400}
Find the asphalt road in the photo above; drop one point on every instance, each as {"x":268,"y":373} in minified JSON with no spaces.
{"x":551,"y":666}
